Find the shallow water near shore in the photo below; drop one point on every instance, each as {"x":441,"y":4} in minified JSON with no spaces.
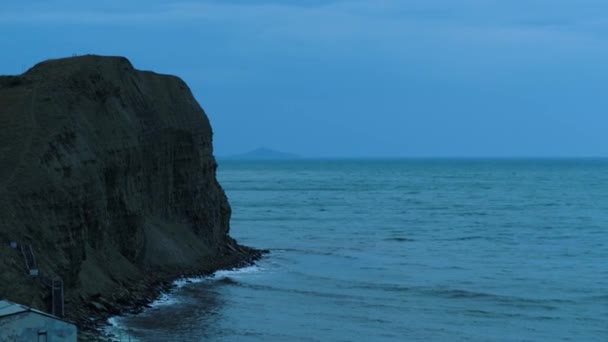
{"x":402,"y":250}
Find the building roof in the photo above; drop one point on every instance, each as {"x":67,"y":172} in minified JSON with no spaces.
{"x":8,"y":308}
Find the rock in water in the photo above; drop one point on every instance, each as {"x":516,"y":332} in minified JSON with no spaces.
{"x":108,"y":172}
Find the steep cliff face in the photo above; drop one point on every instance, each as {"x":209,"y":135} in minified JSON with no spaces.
{"x":107,"y":172}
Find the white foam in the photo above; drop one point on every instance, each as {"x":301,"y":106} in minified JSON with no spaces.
{"x":185,"y":281}
{"x":116,"y":329}
{"x":113,"y":321}
{"x":168,"y":298}
{"x":236,"y":272}
{"x":163,"y":300}
{"x":179,"y":283}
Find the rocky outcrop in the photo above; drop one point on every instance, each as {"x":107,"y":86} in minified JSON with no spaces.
{"x":108,"y":172}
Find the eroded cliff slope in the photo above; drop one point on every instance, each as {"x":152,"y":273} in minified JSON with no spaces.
{"x":108,"y":172}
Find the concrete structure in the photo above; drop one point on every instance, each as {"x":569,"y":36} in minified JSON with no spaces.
{"x":18,"y":323}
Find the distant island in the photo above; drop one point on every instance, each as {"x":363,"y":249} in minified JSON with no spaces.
{"x":263,"y":153}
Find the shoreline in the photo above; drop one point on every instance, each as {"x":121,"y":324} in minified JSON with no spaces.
{"x":93,"y":316}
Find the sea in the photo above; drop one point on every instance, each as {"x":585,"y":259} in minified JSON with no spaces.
{"x":402,"y":250}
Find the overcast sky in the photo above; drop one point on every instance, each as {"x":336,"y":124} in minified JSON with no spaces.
{"x":355,"y":78}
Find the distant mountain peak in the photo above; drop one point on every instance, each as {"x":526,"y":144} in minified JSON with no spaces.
{"x":264,"y":149}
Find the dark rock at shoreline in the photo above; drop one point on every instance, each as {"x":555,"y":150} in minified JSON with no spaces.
{"x":108,"y":172}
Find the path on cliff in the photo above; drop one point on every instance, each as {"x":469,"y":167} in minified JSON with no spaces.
{"x":30,"y":259}
{"x":27,"y":145}
{"x":55,"y":284}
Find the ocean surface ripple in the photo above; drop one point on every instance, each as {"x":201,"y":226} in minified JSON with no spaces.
{"x":402,"y":250}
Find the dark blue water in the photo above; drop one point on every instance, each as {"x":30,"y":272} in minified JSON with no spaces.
{"x":430,"y":250}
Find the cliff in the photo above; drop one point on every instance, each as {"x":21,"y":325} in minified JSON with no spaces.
{"x":108,"y":172}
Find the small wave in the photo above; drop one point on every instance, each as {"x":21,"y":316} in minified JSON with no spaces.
{"x":466,"y":238}
{"x":399,"y":239}
{"x":113,"y":321}
{"x":492,"y":314}
{"x":333,"y":252}
{"x":185,"y":281}
{"x":472,"y":214}
{"x":305,"y":292}
{"x":379,"y":287}
{"x":508,"y":315}
{"x":169,"y":298}
{"x":164,"y":300}
{"x":598,"y":298}
{"x":297,"y":250}
{"x":236,"y":272}
{"x":456,"y":293}
{"x":116,"y":331}
{"x":519,"y":302}
{"x":228,"y":281}
{"x":459,"y":294}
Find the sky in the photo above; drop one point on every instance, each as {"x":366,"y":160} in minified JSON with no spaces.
{"x":354,"y":78}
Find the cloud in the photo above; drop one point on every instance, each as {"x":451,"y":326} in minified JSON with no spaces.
{"x":455,"y":34}
{"x":487,"y":13}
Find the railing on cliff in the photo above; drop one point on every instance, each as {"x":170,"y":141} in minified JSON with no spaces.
{"x":55,"y":285}
{"x":30,"y":260}
{"x":57,"y":298}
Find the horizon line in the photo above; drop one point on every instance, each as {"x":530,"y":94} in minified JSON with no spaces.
{"x":300,"y":157}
